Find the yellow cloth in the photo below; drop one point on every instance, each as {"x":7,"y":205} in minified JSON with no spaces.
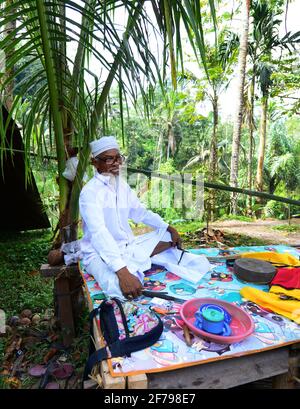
{"x":271,"y":301}
{"x":275,"y":258}
{"x":277,"y":289}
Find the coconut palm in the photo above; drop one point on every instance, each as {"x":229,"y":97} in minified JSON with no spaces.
{"x":66,"y":107}
{"x":243,"y":51}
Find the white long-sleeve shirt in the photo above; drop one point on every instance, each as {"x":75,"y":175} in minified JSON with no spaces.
{"x":105,"y":213}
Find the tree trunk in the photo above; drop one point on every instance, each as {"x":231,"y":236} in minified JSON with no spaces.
{"x":272,"y":185}
{"x":237,"y":126}
{"x":251,"y":140}
{"x":213,"y":157}
{"x":262,"y":144}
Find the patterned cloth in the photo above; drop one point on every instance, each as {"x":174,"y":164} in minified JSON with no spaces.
{"x":171,"y":351}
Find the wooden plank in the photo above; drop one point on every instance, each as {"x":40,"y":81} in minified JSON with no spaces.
{"x":225,"y":373}
{"x":90,"y":384}
{"x":53,"y":271}
{"x":110,"y":382}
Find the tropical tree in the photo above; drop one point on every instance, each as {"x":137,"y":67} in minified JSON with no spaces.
{"x":219,"y":62}
{"x":212,"y":82}
{"x":266,"y":41}
{"x":67,"y":108}
{"x":243,"y":51}
{"x":218,"y":75}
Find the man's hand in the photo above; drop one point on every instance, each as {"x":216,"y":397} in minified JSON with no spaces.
{"x":176,"y":240}
{"x":130,"y":285}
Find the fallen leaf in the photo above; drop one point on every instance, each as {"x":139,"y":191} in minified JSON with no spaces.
{"x":76,"y":356}
{"x":28,"y":341}
{"x":13,"y":382}
{"x":15,"y":345}
{"x":50,"y":354}
{"x":34,"y":273}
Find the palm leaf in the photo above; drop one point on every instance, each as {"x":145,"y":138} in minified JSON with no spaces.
{"x":60,"y":99}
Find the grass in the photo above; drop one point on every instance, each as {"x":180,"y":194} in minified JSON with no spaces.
{"x":241,"y":218}
{"x":289,"y":228}
{"x":187,"y":227}
{"x":22,"y":287}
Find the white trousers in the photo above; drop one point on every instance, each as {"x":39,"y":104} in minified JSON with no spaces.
{"x":137,"y":259}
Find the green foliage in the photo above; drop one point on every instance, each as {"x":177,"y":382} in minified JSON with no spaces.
{"x":282,"y":158}
{"x":275,"y":209}
{"x":45,"y":175}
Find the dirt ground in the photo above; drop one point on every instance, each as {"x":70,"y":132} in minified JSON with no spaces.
{"x":262,"y":229}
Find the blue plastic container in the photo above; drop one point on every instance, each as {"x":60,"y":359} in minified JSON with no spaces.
{"x":213,"y":319}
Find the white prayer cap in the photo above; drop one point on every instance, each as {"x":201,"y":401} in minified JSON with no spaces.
{"x":103,"y":144}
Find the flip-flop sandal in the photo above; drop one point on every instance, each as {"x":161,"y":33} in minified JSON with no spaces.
{"x":37,"y":371}
{"x":53,"y":368}
{"x":52,"y":385}
{"x":49,"y":368}
{"x":63,"y":371}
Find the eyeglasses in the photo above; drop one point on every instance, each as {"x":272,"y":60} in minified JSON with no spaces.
{"x":110,"y":160}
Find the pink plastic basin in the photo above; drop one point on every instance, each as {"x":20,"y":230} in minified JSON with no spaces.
{"x":241,"y":324}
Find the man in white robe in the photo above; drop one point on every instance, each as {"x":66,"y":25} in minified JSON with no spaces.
{"x":110,"y":252}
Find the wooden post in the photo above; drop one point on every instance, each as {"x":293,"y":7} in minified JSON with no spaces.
{"x":65,"y":311}
{"x":288,"y":380}
{"x":68,"y":297}
{"x":137,"y":381}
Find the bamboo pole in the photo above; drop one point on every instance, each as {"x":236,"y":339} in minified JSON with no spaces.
{"x":209,"y":185}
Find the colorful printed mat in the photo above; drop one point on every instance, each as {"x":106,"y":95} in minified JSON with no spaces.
{"x":171,"y":351}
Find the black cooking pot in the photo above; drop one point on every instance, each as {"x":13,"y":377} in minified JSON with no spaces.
{"x":255,"y":271}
